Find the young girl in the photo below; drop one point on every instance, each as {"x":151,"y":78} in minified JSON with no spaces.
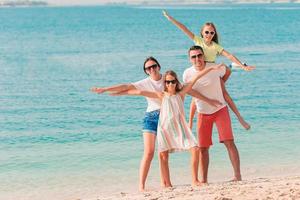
{"x":209,"y":43}
{"x":173,"y":132}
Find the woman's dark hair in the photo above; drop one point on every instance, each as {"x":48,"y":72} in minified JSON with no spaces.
{"x":153,"y":59}
{"x":215,"y":38}
{"x":178,"y":84}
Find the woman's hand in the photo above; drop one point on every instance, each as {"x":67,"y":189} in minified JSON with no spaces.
{"x":166,"y":14}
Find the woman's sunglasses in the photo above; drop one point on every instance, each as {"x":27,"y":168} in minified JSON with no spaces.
{"x":170,"y":81}
{"x":154,"y":66}
{"x":207,"y":32}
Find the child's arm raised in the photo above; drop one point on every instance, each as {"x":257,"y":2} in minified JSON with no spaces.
{"x":237,"y":61}
{"x":179,"y":25}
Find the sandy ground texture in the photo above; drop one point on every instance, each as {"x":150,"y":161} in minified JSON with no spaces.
{"x":260,"y":188}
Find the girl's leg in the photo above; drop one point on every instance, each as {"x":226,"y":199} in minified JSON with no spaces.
{"x":233,"y":107}
{"x":227,"y":74}
{"x":149,"y":148}
{"x":192,"y":113}
{"x":164,"y":169}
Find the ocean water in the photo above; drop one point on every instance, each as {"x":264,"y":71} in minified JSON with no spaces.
{"x":60,"y":141}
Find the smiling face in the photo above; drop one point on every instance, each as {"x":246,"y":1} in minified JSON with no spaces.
{"x":197,"y":58}
{"x":172,"y":85}
{"x":208,"y":32}
{"x":152,"y":68}
{"x":170,"y":82}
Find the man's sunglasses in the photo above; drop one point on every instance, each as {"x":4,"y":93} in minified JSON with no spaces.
{"x":198,"y":56}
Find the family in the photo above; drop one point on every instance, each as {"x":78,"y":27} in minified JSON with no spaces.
{"x":165,"y":117}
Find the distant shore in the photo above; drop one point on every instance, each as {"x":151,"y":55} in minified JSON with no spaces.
{"x":158,"y":3}
{"x":259,"y":188}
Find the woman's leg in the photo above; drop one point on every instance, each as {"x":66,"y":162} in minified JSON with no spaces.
{"x":149,"y":148}
{"x":164,"y":169}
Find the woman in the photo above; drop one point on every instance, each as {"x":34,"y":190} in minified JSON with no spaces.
{"x":154,"y":82}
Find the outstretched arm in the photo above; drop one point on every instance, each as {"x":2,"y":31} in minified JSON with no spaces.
{"x":136,"y":92}
{"x":236,"y":60}
{"x":211,"y":102}
{"x":187,"y":87}
{"x":179,"y":25}
{"x":114,"y":88}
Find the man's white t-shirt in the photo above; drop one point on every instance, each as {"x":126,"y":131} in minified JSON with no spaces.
{"x":208,"y":85}
{"x":151,"y":85}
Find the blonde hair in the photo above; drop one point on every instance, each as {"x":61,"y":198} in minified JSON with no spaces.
{"x":215,"y":38}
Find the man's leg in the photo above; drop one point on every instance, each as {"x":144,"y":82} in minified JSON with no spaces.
{"x":223,"y":123}
{"x":205,"y":125}
{"x":234,"y":158}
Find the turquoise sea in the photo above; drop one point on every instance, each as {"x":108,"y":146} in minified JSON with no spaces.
{"x":60,"y":141}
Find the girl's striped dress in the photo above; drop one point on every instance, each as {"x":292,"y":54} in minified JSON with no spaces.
{"x":173,"y":132}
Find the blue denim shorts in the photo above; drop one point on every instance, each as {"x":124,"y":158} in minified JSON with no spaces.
{"x":150,"y":122}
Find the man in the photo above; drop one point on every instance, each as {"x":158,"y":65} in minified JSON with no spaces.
{"x":210,"y":86}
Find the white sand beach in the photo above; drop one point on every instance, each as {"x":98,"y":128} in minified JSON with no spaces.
{"x":259,"y":188}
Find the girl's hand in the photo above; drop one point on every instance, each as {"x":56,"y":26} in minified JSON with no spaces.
{"x":97,"y":90}
{"x":166,"y":14}
{"x":248,"y":68}
{"x":214,"y":102}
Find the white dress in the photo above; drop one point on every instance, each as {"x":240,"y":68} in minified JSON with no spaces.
{"x":173,"y":132}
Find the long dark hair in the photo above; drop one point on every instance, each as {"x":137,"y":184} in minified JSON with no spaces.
{"x":215,"y":38}
{"x":178,"y":84}
{"x":153,"y":59}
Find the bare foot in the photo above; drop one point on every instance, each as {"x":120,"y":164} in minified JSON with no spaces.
{"x":244,"y":124}
{"x":168,"y":188}
{"x":142,"y":189}
{"x":237,"y":178}
{"x":198,"y":183}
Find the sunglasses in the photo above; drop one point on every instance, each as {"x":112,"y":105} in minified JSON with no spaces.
{"x":207,"y":32}
{"x":170,"y":81}
{"x":154,"y":66}
{"x":198,"y":56}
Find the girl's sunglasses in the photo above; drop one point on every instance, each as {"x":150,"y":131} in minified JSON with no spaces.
{"x":211,"y":32}
{"x":170,"y":81}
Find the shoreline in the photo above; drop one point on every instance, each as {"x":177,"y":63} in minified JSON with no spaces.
{"x":258,"y":188}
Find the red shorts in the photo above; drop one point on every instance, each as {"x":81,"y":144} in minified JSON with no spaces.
{"x":205,"y":126}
